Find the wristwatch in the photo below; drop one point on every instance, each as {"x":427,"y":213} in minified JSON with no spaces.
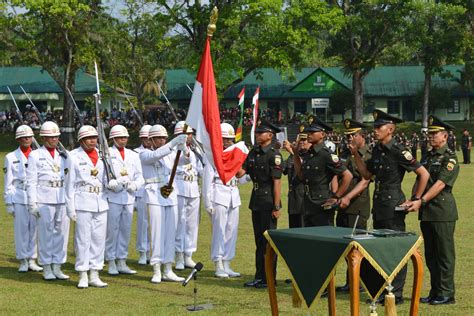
{"x":423,"y":202}
{"x":277,"y":207}
{"x":334,"y":195}
{"x":414,"y":198}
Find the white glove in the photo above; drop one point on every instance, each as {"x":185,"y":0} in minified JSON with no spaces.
{"x":180,"y":139}
{"x":210,"y":211}
{"x":33,"y":210}
{"x":184,"y":149}
{"x":71,"y":213}
{"x":132,"y":187}
{"x":11,"y":210}
{"x":115,"y":186}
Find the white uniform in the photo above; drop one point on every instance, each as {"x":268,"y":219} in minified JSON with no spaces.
{"x":186,"y":184}
{"x":157,"y":166}
{"x":224,"y":199}
{"x":143,"y":244}
{"x":120,"y":215}
{"x":86,"y":196}
{"x":15,"y":194}
{"x":45,"y":187}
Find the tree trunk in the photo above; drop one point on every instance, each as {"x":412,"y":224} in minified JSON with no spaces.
{"x":358,"y":107}
{"x":68,"y":128}
{"x":426,"y":97}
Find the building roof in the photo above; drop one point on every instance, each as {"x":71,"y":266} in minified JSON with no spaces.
{"x":36,"y":80}
{"x":383,"y":81}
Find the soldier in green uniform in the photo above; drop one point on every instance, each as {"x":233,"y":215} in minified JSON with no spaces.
{"x":295,"y":186}
{"x":318,"y":168}
{"x":438,"y":214}
{"x":356,"y":201}
{"x":389,"y":162}
{"x":264,"y":165}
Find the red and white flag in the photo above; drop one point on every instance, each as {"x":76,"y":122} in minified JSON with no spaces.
{"x":255,"y":115}
{"x":204,"y":117}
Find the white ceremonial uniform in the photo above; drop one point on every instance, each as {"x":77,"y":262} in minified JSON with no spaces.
{"x":224,"y":199}
{"x":143,"y":244}
{"x":120,"y":215}
{"x":15,"y":194}
{"x":162,"y":212}
{"x":187,"y":173}
{"x":86,"y":196}
{"x":45,"y":187}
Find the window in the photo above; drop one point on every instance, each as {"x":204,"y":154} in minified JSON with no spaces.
{"x":393,"y":106}
{"x":300,"y":107}
{"x":455,"y":107}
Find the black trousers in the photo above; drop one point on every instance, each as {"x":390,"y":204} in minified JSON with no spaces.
{"x":262,"y":221}
{"x":440,"y":256}
{"x":466,"y":154}
{"x":395,"y":223}
{"x":295,"y":220}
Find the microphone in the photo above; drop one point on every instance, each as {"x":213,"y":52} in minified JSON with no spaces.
{"x":196,"y":269}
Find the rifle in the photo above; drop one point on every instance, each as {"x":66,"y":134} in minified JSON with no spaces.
{"x":104,"y":152}
{"x":61,"y":149}
{"x":76,"y":108}
{"x":133,"y":108}
{"x":195,"y":142}
{"x":20,"y":116}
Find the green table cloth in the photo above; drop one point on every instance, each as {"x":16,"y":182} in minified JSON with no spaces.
{"x":313,"y":253}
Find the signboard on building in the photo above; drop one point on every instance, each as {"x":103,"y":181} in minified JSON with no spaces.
{"x":320,"y":103}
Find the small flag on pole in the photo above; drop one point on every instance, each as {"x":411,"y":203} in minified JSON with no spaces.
{"x":255,"y":115}
{"x":238,"y":134}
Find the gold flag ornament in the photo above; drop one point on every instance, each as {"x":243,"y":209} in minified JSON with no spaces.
{"x":56,"y":168}
{"x":211,"y":27}
{"x":94,"y":172}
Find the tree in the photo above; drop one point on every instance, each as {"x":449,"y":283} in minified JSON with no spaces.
{"x":436,"y":33}
{"x":369,"y":27}
{"x":250,"y":34}
{"x":56,"y":36}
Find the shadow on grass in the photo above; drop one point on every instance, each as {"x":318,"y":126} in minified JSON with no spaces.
{"x":11,"y":273}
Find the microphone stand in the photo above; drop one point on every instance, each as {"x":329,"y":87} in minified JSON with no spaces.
{"x":195,"y":307}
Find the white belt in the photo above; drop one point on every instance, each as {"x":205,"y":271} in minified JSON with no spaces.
{"x":190,"y":178}
{"x":51,"y":183}
{"x":231,"y":183}
{"x":91,"y":188}
{"x":158,"y":179}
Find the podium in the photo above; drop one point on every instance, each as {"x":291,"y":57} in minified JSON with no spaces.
{"x":312,"y":255}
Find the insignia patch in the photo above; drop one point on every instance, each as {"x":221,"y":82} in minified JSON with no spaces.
{"x":347,"y":124}
{"x":407,"y":155}
{"x":375,"y":114}
{"x":310,"y":120}
{"x":259,"y":122}
{"x":334,"y":158}
{"x":4,"y":170}
{"x":94,"y":172}
{"x":430,"y":121}
{"x":450,"y":166}
{"x":277,"y":160}
{"x":301,"y":128}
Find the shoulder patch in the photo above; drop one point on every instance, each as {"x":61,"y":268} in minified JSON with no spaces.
{"x":407,"y":155}
{"x":450,"y":166}
{"x":335,"y":158}
{"x":277,"y":160}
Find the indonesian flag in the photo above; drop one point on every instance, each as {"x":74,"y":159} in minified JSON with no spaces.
{"x":255,"y":115}
{"x":238,"y":134}
{"x":204,"y":117}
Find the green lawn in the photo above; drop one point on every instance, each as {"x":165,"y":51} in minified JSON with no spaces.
{"x":29,"y":294}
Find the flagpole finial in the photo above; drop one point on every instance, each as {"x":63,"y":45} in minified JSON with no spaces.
{"x":211,"y":27}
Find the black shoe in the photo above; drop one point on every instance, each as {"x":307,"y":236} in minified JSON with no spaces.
{"x":288,"y":281}
{"x":440,"y":300}
{"x":426,"y":300}
{"x":344,"y":288}
{"x":261,"y":285}
{"x":253,"y":283}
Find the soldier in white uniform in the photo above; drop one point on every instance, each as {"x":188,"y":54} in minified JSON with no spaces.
{"x":46,"y":173}
{"x":16,"y":200}
{"x":128,"y":170}
{"x":143,"y":244}
{"x":86,"y":204}
{"x":189,"y":168}
{"x":222,"y":202}
{"x":157,"y":165}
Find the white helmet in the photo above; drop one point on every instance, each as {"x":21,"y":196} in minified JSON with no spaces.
{"x":227,"y":130}
{"x":118,"y":131}
{"x":178,"y":129}
{"x":86,"y":131}
{"x":24,"y":131}
{"x":157,"y":130}
{"x":144,"y":131}
{"x":49,"y":129}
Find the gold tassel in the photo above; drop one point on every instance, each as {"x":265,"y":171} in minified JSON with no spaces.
{"x":390,"y":308}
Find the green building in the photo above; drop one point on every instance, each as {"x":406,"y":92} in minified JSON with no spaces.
{"x":389,"y":88}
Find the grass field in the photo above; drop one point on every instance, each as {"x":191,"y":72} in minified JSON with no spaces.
{"x":29,"y":294}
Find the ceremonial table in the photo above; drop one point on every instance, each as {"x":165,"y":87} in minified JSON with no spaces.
{"x":313,"y":253}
